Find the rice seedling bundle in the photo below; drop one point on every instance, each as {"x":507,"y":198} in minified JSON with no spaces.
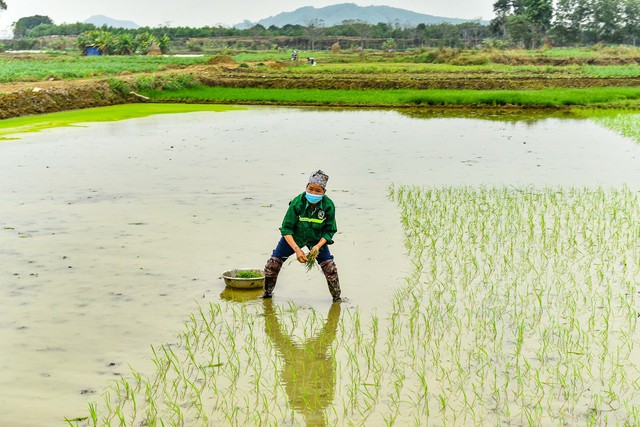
{"x":311,"y":259}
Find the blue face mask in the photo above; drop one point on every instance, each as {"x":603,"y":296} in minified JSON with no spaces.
{"x":314,"y":198}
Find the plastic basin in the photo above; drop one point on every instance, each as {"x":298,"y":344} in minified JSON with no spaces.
{"x":232,"y":280}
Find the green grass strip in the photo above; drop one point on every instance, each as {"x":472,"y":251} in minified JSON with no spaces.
{"x":100,"y":114}
{"x":544,"y":97}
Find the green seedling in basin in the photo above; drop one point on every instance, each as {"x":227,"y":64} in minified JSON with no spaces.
{"x":248,"y":274}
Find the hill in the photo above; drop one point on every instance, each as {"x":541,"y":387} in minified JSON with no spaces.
{"x":335,"y":14}
{"x":100,"y":20}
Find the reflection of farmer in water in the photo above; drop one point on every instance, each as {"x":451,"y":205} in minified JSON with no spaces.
{"x":309,"y":371}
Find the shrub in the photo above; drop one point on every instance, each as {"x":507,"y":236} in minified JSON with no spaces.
{"x":389,"y":45}
{"x":194,"y":45}
{"x":179,"y":81}
{"x":58,"y":44}
{"x":24,"y":44}
{"x":490,"y":43}
{"x":427,"y":58}
{"x":119,"y":87}
{"x":168,"y":82}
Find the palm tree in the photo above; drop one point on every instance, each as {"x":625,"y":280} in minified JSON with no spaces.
{"x":144,"y":41}
{"x":106,"y":42}
{"x":125,"y":44}
{"x":163,"y":43}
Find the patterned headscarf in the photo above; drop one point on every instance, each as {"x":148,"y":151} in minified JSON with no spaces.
{"x":319,"y":178}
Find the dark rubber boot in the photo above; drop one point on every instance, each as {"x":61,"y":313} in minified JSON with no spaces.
{"x":271,"y":271}
{"x":333,"y":282}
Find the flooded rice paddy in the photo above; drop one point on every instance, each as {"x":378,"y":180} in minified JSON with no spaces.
{"x":115,"y":234}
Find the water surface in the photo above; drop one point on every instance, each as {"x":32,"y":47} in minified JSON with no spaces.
{"x":113,"y":233}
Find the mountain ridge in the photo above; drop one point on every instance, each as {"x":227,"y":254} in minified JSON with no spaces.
{"x":100,"y":20}
{"x":336,"y":14}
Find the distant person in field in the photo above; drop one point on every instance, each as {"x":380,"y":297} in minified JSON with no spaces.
{"x":294,"y":55}
{"x":310,"y":221}
{"x":311,"y":60}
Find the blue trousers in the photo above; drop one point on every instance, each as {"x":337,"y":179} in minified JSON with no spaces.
{"x":284,"y":251}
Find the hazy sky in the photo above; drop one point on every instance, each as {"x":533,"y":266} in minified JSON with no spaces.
{"x":198,"y":13}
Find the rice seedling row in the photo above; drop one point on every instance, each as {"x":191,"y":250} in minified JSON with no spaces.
{"x":441,"y":97}
{"x":521,"y":308}
{"x":623,"y":122}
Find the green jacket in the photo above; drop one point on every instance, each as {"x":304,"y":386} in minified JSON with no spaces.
{"x":306,"y":224}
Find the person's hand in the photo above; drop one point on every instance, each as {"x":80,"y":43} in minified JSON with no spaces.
{"x":302,"y":258}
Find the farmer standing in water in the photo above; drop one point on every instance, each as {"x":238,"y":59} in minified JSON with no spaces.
{"x":310,"y":221}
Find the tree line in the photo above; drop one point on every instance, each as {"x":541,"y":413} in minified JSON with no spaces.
{"x":523,"y":23}
{"x":27,"y":28}
{"x":567,"y":22}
